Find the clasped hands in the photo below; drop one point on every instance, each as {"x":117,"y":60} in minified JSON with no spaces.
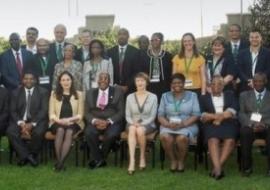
{"x":215,"y":118}
{"x":26,"y":128}
{"x":175,"y":125}
{"x":258,"y":127}
{"x":101,"y":124}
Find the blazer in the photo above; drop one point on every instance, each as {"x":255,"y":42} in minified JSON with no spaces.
{"x":244,"y":44}
{"x":10,"y":74}
{"x":245,"y":64}
{"x":79,"y":56}
{"x":77,"y":108}
{"x":114,"y":110}
{"x":38,"y":107}
{"x":230,"y":102}
{"x":4,"y":106}
{"x":126,"y":77}
{"x":149,"y":113}
{"x":37,"y":69}
{"x":248,"y":106}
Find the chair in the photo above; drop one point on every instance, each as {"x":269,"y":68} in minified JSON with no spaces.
{"x":150,"y":142}
{"x":49,"y":145}
{"x":193,"y":147}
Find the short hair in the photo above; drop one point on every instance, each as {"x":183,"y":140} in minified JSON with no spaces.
{"x":33,"y":28}
{"x":13,"y":34}
{"x":69,"y":45}
{"x":29,"y":72}
{"x":143,"y":76}
{"x":159,"y":35}
{"x":62,"y":26}
{"x":143,"y":37}
{"x":219,"y":39}
{"x":123,"y":30}
{"x":86,"y":31}
{"x":40,"y":39}
{"x":218,"y":77}
{"x":254,"y":30}
{"x":179,"y":76}
{"x":236,"y":25}
{"x":261,"y":74}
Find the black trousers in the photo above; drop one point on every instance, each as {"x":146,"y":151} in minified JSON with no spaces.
{"x":247,"y":136}
{"x":100,"y":150}
{"x":35,"y":144}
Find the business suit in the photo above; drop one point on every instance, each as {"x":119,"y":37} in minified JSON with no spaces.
{"x":248,"y":105}
{"x":10,"y":74}
{"x":228,"y":127}
{"x":80,"y":57}
{"x":36,"y":67}
{"x":39,"y":115}
{"x":53,"y":52}
{"x":4,"y":110}
{"x":244,"y":44}
{"x":114,"y":111}
{"x":126,"y":77}
{"x":245,"y":66}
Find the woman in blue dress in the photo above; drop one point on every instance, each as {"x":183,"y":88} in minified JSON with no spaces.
{"x":178,"y":114}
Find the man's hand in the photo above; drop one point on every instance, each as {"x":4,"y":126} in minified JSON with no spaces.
{"x":258,"y":127}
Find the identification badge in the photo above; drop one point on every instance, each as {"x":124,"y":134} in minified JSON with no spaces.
{"x":188,"y":83}
{"x":154,"y":80}
{"x":44,"y":80}
{"x":256,"y":117}
{"x":175,"y":120}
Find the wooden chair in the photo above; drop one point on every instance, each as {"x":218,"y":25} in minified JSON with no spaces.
{"x":150,"y":142}
{"x":49,"y":145}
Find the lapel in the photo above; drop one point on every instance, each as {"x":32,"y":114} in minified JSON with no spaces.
{"x":249,"y":63}
{"x":265,"y":99}
{"x":24,"y":57}
{"x":260,"y":54}
{"x":252,"y":99}
{"x":227,"y":99}
{"x":95,"y":96}
{"x":110,"y":95}
{"x":22,"y":101}
{"x":12,"y":60}
{"x":34,"y":103}
{"x":210,"y":105}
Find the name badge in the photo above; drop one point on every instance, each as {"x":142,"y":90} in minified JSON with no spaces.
{"x":188,"y":83}
{"x":256,"y":117}
{"x":44,"y":80}
{"x":175,"y":120}
{"x":154,"y":80}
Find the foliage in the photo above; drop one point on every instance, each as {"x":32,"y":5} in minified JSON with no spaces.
{"x":4,"y":44}
{"x":260,"y":14}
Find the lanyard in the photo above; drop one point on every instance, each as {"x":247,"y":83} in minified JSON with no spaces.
{"x":177,"y":105}
{"x":140,"y":108}
{"x":214,"y":67}
{"x":44,"y":65}
{"x":187,"y":65}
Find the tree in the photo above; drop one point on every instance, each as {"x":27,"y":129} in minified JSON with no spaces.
{"x":260,"y":19}
{"x":4,"y":44}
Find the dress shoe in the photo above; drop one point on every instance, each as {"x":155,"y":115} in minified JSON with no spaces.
{"x":219,"y":176}
{"x":247,"y":172}
{"x":59,"y":166}
{"x":32,"y":161}
{"x":22,"y":162}
{"x":131,"y":172}
{"x":180,"y":170}
{"x":97,"y":164}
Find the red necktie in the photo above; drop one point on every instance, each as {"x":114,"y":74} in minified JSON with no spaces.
{"x":19,"y":63}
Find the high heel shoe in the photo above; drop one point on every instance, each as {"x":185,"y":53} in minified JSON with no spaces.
{"x":131,"y":172}
{"x":142,"y":168}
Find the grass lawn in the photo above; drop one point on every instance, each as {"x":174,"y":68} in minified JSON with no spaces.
{"x":78,"y":178}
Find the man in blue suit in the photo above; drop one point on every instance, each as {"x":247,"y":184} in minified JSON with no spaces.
{"x":253,"y":60}
{"x":14,"y":62}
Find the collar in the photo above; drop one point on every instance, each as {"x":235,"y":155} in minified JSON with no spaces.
{"x":106,"y":91}
{"x":62,"y":44}
{"x":34,"y":48}
{"x":14,"y":52}
{"x":221,"y":95}
{"x":262,"y":93}
{"x":31,"y":90}
{"x":235,"y":43}
{"x":125,"y":47}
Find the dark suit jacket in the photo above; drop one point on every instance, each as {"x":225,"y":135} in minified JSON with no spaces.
{"x":245,"y":65}
{"x":125,"y":78}
{"x":37,"y":69}
{"x":79,"y":56}
{"x":4,"y":106}
{"x":243,"y":45}
{"x":10,"y":74}
{"x":207,"y":105}
{"x":114,"y":110}
{"x":38,"y":108}
{"x":248,"y":105}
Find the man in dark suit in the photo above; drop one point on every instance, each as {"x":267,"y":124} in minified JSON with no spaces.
{"x":14,"y":62}
{"x":4,"y":110}
{"x":252,"y":60}
{"x":29,"y":119}
{"x":43,"y":66}
{"x":56,"y":50}
{"x":104,"y":111}
{"x":82,"y":54}
{"x":254,"y":117}
{"x":123,"y":57}
{"x":31,"y":38}
{"x":236,"y":42}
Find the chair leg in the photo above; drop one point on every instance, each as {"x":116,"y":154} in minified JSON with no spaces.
{"x":239,"y":158}
{"x":153,"y":154}
{"x":162,"y":156}
{"x":121,"y":153}
{"x":11,"y":151}
{"x":195,"y":157}
{"x":206,"y":158}
{"x":76,"y":153}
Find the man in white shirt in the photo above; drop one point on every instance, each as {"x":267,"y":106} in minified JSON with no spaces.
{"x":31,"y":38}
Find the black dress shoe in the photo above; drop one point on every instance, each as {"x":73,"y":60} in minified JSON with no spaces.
{"x":22,"y":162}
{"x":32,"y":161}
{"x":247,"y":172}
{"x":97,"y":164}
{"x":180,"y":170}
{"x":268,"y":173}
{"x":92,"y":164}
{"x":101,"y":164}
{"x":220,"y":176}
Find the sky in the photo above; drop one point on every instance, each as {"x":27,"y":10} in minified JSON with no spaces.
{"x":171,"y":17}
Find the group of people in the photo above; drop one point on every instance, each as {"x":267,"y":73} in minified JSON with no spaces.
{"x":212,"y":99}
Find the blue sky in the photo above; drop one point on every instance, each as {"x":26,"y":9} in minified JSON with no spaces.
{"x":172,"y":17}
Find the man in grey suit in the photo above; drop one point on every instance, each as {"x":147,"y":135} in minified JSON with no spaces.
{"x":254,"y":117}
{"x":104,"y":111}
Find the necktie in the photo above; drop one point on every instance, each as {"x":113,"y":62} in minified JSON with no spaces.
{"x":259,"y":99}
{"x":19,"y":63}
{"x":28,"y":105}
{"x":59,"y":53}
{"x":102,"y":101}
{"x":121,"y":60}
{"x":235,"y":52}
